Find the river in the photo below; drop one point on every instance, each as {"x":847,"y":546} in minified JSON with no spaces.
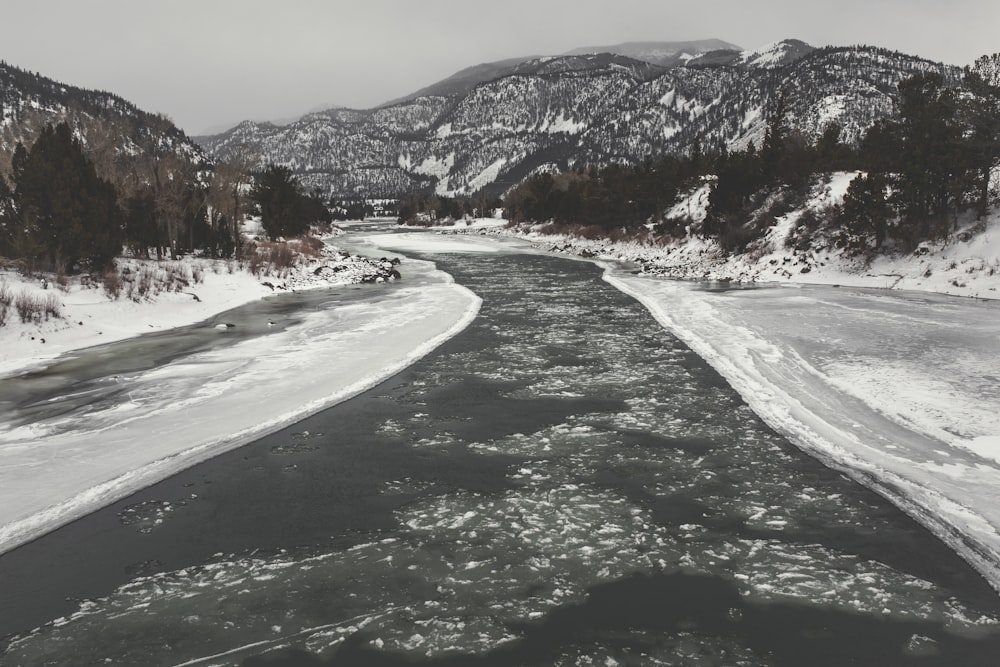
{"x":562,"y":483}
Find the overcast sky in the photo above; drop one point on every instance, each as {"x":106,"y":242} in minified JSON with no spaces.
{"x":208,"y":64}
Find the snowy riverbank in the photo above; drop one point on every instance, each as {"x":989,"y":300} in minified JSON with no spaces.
{"x":161,"y":295}
{"x":896,"y":389}
{"x":967,"y":264}
{"x":64,"y":466}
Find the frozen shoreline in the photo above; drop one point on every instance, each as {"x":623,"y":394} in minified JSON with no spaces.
{"x":921,"y":430}
{"x":183,"y":292}
{"x":195,"y":408}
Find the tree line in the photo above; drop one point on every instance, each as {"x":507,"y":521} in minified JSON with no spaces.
{"x":922,"y":167}
{"x":67,"y":207}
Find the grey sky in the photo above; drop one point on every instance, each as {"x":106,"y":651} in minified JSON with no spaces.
{"x":210,"y":63}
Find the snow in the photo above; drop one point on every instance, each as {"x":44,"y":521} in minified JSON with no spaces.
{"x":830,"y":110}
{"x":90,"y":318}
{"x":695,"y":206}
{"x":190,"y":290}
{"x":562,"y":125}
{"x":487,"y":176}
{"x":62,"y":467}
{"x":767,"y":56}
{"x":895,"y":389}
{"x":435,"y":166}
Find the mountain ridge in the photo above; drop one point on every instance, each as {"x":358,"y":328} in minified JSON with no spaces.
{"x":29,"y":100}
{"x":560,"y":112}
{"x":665,"y":54}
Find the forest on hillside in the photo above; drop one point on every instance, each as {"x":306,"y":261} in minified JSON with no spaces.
{"x":920,"y":169}
{"x":67,"y":207}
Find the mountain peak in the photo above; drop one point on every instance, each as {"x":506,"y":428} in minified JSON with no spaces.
{"x":664,"y":54}
{"x":775,"y":54}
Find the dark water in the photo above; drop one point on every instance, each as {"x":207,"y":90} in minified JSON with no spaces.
{"x":563,"y":483}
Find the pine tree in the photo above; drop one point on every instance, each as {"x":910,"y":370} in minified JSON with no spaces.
{"x":865,"y":214}
{"x":285,"y":211}
{"x":982,"y":112}
{"x":67,"y":211}
{"x":929,"y":137}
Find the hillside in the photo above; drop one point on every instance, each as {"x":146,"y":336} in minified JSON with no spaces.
{"x":543,"y":114}
{"x":664,"y":54}
{"x":108,"y":125}
{"x":965,"y":264}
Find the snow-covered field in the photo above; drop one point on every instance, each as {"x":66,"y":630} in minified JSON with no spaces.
{"x":65,"y":466}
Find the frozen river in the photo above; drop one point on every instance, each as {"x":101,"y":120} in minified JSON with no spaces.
{"x":564,"y":482}
{"x":901,"y":390}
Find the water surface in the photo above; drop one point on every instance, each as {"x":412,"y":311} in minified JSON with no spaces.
{"x":563,"y":483}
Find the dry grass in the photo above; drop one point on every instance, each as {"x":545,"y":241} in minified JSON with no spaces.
{"x":143,"y":281}
{"x":33,"y":307}
{"x":275,"y":258}
{"x":310,"y":246}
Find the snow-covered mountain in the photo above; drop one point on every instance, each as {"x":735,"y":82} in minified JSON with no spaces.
{"x":29,"y":101}
{"x":664,"y":54}
{"x":494,"y":125}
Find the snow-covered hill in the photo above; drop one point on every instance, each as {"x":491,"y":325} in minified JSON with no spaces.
{"x":493,"y":126}
{"x":104,"y":121}
{"x":664,"y":54}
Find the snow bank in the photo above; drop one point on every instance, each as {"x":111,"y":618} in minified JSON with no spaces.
{"x":898,"y":390}
{"x":968,"y":264}
{"x":179,"y":414}
{"x":191,"y":290}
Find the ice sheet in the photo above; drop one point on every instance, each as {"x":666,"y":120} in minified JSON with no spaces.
{"x":187,"y":411}
{"x":896,"y":389}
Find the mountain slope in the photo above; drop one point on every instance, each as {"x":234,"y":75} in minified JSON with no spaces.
{"x":565,"y":111}
{"x":664,"y":54}
{"x":104,"y":121}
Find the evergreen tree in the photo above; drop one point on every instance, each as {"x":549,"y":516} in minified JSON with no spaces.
{"x":982,"y":112}
{"x":68,"y":212}
{"x":285,"y":211}
{"x":141,"y":230}
{"x":6,"y":218}
{"x":865,"y":214}
{"x":928,"y":151}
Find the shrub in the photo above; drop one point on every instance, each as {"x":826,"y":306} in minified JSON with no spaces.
{"x":112,"y":285}
{"x":308,"y":245}
{"x":6,"y":299}
{"x":52,"y":306}
{"x":33,"y":307}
